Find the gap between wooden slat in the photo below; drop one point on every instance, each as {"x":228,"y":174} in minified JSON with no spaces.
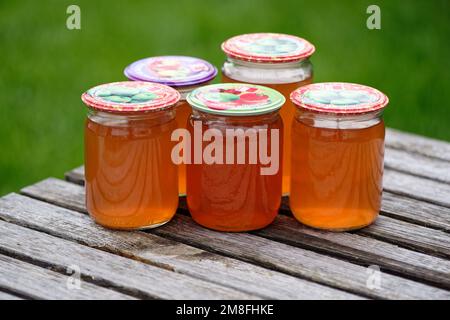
{"x":419,"y":238}
{"x":6,"y":294}
{"x":75,"y":199}
{"x":105,"y":269}
{"x":428,"y":245}
{"x":160,"y":251}
{"x":276,"y":255}
{"x":45,"y":264}
{"x":390,"y":230}
{"x":33,"y":282}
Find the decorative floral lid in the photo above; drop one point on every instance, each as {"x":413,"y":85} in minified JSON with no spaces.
{"x":236,"y":99}
{"x":130,"y":97}
{"x":339,"y":98}
{"x":268,"y":47}
{"x":174,"y":71}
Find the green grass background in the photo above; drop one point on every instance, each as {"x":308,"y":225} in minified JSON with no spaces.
{"x":45,"y":67}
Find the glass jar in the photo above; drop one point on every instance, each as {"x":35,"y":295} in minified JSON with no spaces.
{"x":278,"y":61}
{"x":131,"y":180}
{"x":338,"y":134}
{"x":234,"y":180}
{"x":181,"y":73}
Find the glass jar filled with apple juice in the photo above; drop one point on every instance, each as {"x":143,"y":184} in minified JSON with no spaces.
{"x":181,"y":73}
{"x":338,"y":138}
{"x":234,"y":178}
{"x":278,"y":61}
{"x":131,"y":180}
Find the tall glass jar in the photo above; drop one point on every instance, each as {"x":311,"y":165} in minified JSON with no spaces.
{"x":278,"y":61}
{"x":131,"y":180}
{"x":181,"y":73}
{"x":338,"y":134}
{"x":234,"y":178}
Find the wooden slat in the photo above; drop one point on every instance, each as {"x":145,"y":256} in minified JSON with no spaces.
{"x":296,"y":261}
{"x":291,"y":260}
{"x":362,"y":250}
{"x":417,"y":164}
{"x":418,"y":144}
{"x":415,"y":211}
{"x":123,"y":274}
{"x":156,"y":250}
{"x":38,"y":283}
{"x":416,"y":187}
{"x":7,"y":296}
{"x":76,"y":175}
{"x":409,"y":235}
{"x":427,"y":240}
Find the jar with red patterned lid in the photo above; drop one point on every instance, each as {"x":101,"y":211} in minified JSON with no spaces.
{"x":278,"y":61}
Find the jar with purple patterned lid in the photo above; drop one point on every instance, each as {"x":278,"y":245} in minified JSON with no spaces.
{"x":182,"y":73}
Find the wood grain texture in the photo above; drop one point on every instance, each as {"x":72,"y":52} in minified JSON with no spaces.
{"x":362,"y":250}
{"x":163,"y":252}
{"x":415,"y":211}
{"x":7,"y":296}
{"x":99,"y":267}
{"x":433,"y":241}
{"x":295,"y":261}
{"x":417,"y":164}
{"x":76,"y":175}
{"x":418,"y":144}
{"x":38,"y":283}
{"x":416,"y":187}
{"x":409,"y":235}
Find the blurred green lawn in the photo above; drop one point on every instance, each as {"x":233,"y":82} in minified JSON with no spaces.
{"x":46,"y":67}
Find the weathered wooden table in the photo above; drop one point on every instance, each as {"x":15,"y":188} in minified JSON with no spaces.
{"x":47,"y":242}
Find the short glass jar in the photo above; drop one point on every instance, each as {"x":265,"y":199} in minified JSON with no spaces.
{"x":337,"y":168}
{"x":278,"y":61}
{"x":181,"y":73}
{"x":131,"y":180}
{"x":234,"y":180}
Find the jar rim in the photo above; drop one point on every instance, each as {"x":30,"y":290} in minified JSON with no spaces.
{"x":258,"y":47}
{"x":174,"y":71}
{"x":130,"y":97}
{"x":339,"y":98}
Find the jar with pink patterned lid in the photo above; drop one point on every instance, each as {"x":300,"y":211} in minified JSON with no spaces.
{"x":338,"y":138}
{"x":279,"y":61}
